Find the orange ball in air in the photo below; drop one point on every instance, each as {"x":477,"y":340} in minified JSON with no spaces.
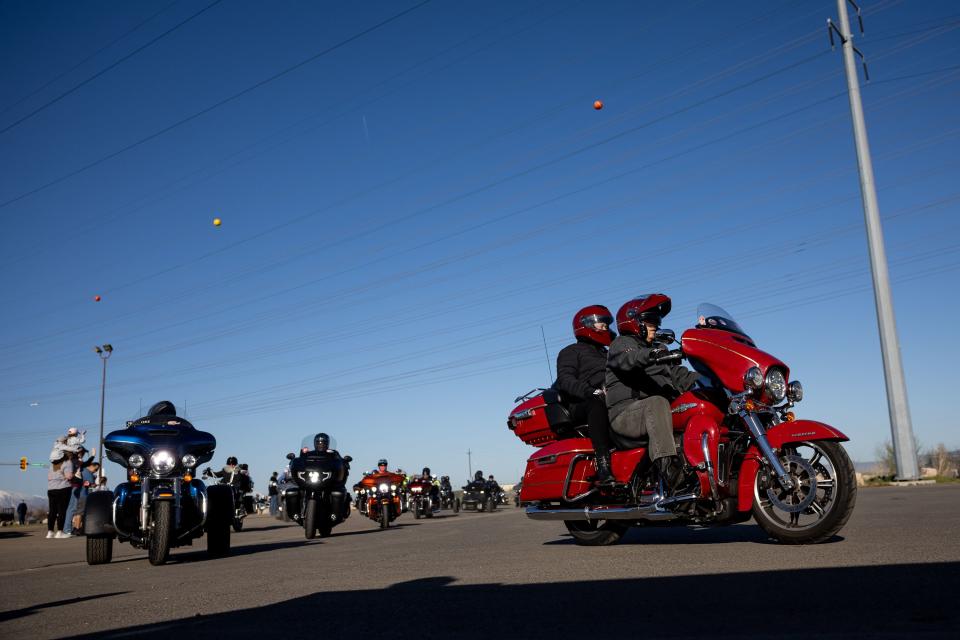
{"x":598,"y":105}
{"x":96,"y":298}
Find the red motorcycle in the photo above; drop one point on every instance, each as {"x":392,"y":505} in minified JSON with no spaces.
{"x":738,"y":435}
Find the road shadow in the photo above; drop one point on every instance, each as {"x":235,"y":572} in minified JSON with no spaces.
{"x":13,"y":534}
{"x":681,"y":535}
{"x":908,"y":600}
{"x":269,"y":527}
{"x":6,"y":616}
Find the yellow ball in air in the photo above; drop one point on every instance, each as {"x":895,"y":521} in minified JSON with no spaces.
{"x":217,"y":222}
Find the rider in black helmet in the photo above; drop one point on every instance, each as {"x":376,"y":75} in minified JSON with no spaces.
{"x":321,"y":443}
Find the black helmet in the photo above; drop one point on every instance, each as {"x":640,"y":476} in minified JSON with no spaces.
{"x":382,"y":462}
{"x":162,"y":408}
{"x":426,"y":471}
{"x":232,"y":460}
{"x":478,"y":475}
{"x":321,"y":442}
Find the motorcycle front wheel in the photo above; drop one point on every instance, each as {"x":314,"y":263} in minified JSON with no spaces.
{"x":237,"y":524}
{"x":595,"y":533}
{"x":456,"y":506}
{"x":823,"y":497}
{"x":384,"y":517}
{"x":159,"y":547}
{"x":310,"y":519}
{"x":99,"y":549}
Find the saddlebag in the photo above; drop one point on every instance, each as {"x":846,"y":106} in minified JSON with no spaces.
{"x":559,"y":471}
{"x":542,"y":419}
{"x":291,"y":501}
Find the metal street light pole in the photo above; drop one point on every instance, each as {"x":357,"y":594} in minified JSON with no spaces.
{"x":469,"y":466}
{"x":104,"y":352}
{"x":900,"y":426}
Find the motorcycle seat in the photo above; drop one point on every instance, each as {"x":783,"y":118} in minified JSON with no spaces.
{"x":623,"y":443}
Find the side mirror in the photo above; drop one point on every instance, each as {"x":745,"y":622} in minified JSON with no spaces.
{"x":348,"y":459}
{"x":666,"y":336}
{"x":290,"y":456}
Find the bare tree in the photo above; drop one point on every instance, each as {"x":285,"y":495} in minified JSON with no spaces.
{"x":886,"y":460}
{"x":941,"y":459}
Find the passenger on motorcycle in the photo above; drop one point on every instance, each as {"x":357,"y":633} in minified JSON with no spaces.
{"x":493,"y":486}
{"x":640,"y":387}
{"x":581,"y":369}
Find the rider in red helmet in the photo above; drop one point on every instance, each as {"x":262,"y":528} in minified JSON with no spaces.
{"x":640,"y":385}
{"x":580,"y":373}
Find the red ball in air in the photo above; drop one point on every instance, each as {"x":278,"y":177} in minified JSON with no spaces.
{"x":598,"y":105}
{"x":96,"y":298}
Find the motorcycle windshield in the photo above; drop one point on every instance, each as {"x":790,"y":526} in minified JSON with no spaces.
{"x":710,"y":316}
{"x":307,"y":444}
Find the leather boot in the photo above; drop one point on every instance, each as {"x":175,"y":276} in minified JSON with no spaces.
{"x":671,"y":472}
{"x":604,"y":477}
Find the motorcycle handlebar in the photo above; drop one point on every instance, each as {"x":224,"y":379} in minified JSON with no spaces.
{"x":670,"y":356}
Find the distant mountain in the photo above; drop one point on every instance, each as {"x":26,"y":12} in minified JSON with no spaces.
{"x":12,"y":499}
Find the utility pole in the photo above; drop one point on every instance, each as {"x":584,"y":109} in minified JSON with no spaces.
{"x":469,"y":466}
{"x":904,"y":446}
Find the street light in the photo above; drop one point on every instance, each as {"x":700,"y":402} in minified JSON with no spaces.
{"x":104,"y":352}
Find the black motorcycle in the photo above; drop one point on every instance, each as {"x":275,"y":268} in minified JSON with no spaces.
{"x":240,"y":486}
{"x":162,"y":504}
{"x":448,"y":499}
{"x":477,"y":496}
{"x":317,"y":499}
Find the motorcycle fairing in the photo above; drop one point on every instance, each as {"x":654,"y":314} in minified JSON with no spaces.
{"x":796,"y":431}
{"x":729,"y":354}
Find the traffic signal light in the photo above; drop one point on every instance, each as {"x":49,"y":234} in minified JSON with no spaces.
{"x":23,"y":463}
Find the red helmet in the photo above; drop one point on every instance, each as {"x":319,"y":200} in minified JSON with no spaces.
{"x":587,"y":317}
{"x":651,"y":308}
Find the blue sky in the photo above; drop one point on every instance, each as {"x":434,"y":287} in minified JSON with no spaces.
{"x":403,"y":213}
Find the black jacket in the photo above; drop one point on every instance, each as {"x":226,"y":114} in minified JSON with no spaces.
{"x":632,"y":375}
{"x":580,"y":369}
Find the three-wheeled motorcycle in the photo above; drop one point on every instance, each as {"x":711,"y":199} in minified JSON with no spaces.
{"x":478,"y":497}
{"x":162,"y":504}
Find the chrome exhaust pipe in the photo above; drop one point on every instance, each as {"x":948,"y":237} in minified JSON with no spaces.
{"x":600,"y":512}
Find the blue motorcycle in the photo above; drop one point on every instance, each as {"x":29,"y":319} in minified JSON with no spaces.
{"x":162,"y":504}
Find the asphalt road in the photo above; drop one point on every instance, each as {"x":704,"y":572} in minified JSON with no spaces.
{"x":894,"y":571}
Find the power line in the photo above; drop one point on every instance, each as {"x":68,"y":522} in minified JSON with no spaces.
{"x":212,"y":107}
{"x":90,"y":79}
{"x":90,"y":57}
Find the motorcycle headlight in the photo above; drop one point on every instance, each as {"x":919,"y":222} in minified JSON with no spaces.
{"x":776,"y":385}
{"x":163,"y":462}
{"x":135,"y":461}
{"x":416,"y":489}
{"x":314,"y":477}
{"x":385,"y":487}
{"x":795,"y":391}
{"x":753,"y":379}
{"x":393,"y":487}
{"x":189,"y":461}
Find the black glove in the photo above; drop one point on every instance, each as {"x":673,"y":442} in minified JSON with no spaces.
{"x":663,"y":356}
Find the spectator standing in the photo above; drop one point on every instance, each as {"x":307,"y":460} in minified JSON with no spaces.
{"x":273,"y":491}
{"x":58,"y":494}
{"x":22,"y":513}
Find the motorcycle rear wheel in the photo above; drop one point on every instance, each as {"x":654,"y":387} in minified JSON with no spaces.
{"x":99,"y":549}
{"x":595,"y":533}
{"x":835,"y":494}
{"x":159,"y":547}
{"x":310,"y":519}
